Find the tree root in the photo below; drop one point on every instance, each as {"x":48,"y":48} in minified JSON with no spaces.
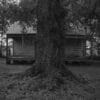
{"x":57,"y":75}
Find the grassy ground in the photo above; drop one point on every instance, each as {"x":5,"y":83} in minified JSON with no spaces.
{"x":14,"y":68}
{"x":91,"y":71}
{"x":15,"y":87}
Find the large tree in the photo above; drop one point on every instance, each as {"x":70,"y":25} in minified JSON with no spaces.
{"x":51,"y":15}
{"x":49,"y":38}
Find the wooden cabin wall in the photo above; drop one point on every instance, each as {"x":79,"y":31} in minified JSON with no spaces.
{"x":24,"y":46}
{"x":74,"y":47}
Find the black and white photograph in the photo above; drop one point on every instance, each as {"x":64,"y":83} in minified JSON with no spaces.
{"x":49,"y":49}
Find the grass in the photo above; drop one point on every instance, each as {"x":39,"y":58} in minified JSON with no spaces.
{"x":14,"y":87}
{"x":93,"y":73}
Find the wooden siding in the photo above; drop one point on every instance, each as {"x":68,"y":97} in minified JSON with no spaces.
{"x":24,"y":46}
{"x":74,"y":48}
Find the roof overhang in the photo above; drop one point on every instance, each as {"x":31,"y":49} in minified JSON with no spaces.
{"x":73,"y":36}
{"x":20,"y":35}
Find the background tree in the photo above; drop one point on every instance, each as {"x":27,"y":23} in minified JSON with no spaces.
{"x":87,"y":13}
{"x":3,"y":21}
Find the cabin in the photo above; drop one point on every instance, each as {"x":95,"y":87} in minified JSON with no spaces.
{"x":97,"y":45}
{"x":23,"y":44}
{"x":78,"y":44}
{"x":77,"y":48}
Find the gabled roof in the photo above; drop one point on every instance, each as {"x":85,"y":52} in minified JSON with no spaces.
{"x":16,"y":28}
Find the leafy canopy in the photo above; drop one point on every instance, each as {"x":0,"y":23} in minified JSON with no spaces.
{"x":82,"y":11}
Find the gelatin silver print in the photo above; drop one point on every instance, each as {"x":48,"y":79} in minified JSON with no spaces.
{"x":49,"y":49}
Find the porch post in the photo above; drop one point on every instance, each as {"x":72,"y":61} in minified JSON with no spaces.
{"x":84,"y":47}
{"x":7,"y":47}
{"x":91,"y":47}
{"x":22,"y":38}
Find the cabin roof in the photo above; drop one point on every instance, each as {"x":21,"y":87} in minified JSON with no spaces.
{"x":15,"y":35}
{"x":70,"y":36}
{"x":16,"y":28}
{"x":77,"y":36}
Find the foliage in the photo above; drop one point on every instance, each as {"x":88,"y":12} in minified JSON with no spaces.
{"x":85,"y":12}
{"x":3,"y":15}
{"x":11,"y":12}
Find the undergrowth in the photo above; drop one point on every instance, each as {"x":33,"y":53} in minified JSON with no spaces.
{"x":15,"y":87}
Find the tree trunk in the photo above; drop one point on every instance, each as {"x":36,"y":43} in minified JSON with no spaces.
{"x":49,"y":54}
{"x":50,"y":38}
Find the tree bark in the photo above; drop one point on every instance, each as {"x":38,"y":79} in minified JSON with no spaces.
{"x":50,"y":38}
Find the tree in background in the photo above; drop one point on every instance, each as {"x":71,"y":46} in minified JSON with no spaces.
{"x":3,"y":22}
{"x":12,"y":11}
